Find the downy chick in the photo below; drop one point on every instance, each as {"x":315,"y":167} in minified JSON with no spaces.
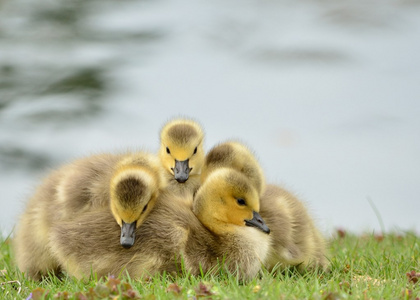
{"x":126,"y":185}
{"x":234,"y":155}
{"x":182,"y":154}
{"x":135,"y":185}
{"x":294,"y":239}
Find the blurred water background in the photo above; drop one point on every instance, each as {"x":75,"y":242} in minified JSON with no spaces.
{"x":327,"y":93}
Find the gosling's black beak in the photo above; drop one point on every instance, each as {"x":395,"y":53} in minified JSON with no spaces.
{"x":182,"y":170}
{"x":128,"y":234}
{"x":257,"y":222}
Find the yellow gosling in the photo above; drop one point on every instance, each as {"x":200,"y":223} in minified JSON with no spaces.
{"x":135,"y":185}
{"x":124,"y":184}
{"x":294,"y":238}
{"x":182,"y":154}
{"x":235,"y":155}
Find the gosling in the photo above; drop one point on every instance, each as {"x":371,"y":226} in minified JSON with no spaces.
{"x":182,"y":154}
{"x":294,"y":238}
{"x":126,"y":185}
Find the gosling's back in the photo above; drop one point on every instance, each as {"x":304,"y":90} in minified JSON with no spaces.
{"x":295,"y":240}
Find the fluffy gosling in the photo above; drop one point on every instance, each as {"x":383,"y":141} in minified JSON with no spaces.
{"x":294,"y":238}
{"x":126,"y":185}
{"x":182,"y":154}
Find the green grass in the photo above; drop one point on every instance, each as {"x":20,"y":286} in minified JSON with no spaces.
{"x":362,"y":267}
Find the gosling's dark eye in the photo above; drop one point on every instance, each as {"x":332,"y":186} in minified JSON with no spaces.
{"x":144,"y":208}
{"x":167,"y":150}
{"x":241,"y":201}
{"x":195,"y":150}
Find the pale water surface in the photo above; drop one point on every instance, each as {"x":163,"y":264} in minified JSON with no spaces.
{"x":327,"y":93}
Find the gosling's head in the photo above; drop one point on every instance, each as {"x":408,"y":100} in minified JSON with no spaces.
{"x":237,"y":156}
{"x":134,"y":189}
{"x":181,"y":148}
{"x":227,"y":201}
